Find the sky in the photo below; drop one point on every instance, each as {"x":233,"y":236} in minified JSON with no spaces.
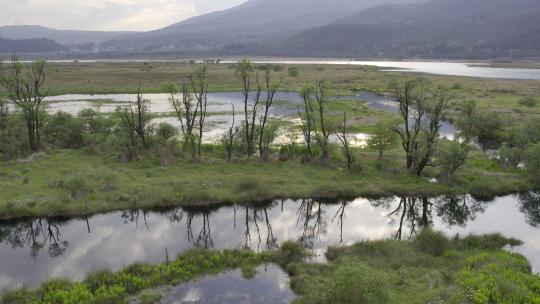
{"x":108,"y":15}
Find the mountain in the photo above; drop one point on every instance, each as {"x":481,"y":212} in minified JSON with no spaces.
{"x":65,"y":37}
{"x":9,"y":46}
{"x":256,"y":22}
{"x":439,"y":29}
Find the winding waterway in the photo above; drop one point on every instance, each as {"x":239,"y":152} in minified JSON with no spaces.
{"x":33,"y":250}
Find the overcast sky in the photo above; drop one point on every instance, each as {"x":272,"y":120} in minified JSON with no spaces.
{"x":137,"y":15}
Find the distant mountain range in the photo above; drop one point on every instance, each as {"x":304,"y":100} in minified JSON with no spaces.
{"x":349,"y":28}
{"x":65,"y":37}
{"x":38,"y":45}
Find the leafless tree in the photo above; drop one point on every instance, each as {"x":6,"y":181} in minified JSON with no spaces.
{"x":228,"y":138}
{"x":271,"y":89}
{"x":244,"y":72}
{"x":24,"y":86}
{"x":199,"y":83}
{"x":4,"y":114}
{"x":128,"y":124}
{"x":142,"y":118}
{"x":186,"y":112}
{"x":307,"y":120}
{"x":322,"y":89}
{"x":344,"y":139}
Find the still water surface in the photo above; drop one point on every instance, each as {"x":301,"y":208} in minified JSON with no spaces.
{"x":269,"y":286}
{"x":34,"y":250}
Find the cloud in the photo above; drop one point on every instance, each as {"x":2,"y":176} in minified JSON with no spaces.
{"x":137,"y":15}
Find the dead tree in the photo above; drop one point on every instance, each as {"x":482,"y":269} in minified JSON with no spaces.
{"x":271,"y":89}
{"x":228,"y":139}
{"x":128,"y":123}
{"x":244,"y":71}
{"x":142,"y":118}
{"x":4,"y":114}
{"x":321,"y":98}
{"x":186,"y":112}
{"x":344,"y":139}
{"x":199,"y":84}
{"x":24,"y":86}
{"x":307,"y":121}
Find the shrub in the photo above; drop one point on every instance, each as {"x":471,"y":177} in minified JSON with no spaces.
{"x":63,"y":130}
{"x":500,"y":277}
{"x":528,"y":101}
{"x":290,"y":252}
{"x":293,"y":72}
{"x":431,"y":242}
{"x":350,"y":282}
{"x":532,"y":162}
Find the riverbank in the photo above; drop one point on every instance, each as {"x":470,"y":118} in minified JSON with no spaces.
{"x":75,"y":183}
{"x":429,"y":268}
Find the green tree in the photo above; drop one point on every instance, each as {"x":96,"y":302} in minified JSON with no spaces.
{"x":452,"y":156}
{"x":532,"y":162}
{"x":383,"y":138}
{"x":467,"y":120}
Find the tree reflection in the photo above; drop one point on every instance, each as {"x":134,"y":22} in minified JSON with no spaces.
{"x":36,"y":234}
{"x":413,"y":214}
{"x":255,"y":217}
{"x":530,"y":206}
{"x":311,"y":218}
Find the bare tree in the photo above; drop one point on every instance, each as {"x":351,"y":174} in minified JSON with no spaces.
{"x":244,"y":72}
{"x":142,"y":118}
{"x":186,"y":111}
{"x":228,"y":139}
{"x":322,"y":89}
{"x":24,"y":85}
{"x":199,"y":84}
{"x":307,"y":120}
{"x":4,"y":114}
{"x":271,"y":89}
{"x":128,"y":123}
{"x":343,"y":138}
{"x":422,"y":115}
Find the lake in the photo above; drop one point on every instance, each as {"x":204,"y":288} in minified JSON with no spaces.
{"x":33,"y":250}
{"x":464,"y":69}
{"x":220,"y":109}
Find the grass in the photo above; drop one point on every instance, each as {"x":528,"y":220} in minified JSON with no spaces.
{"x":501,"y":95}
{"x":473,"y":269}
{"x":72,"y":182}
{"x":469,"y":270}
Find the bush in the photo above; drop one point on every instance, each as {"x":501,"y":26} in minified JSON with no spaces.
{"x":528,"y":101}
{"x":166,"y":131}
{"x":532,"y":162}
{"x":293,"y":72}
{"x":500,"y":277}
{"x":431,"y":242}
{"x":64,"y":130}
{"x":350,"y":282}
{"x":14,"y":140}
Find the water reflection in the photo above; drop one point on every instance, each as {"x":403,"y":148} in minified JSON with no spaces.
{"x":33,"y":250}
{"x":270,"y":285}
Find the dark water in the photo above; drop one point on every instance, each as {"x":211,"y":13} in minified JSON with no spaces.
{"x":269,"y":286}
{"x":34,"y":250}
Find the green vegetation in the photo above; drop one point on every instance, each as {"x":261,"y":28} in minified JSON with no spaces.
{"x":115,"y":287}
{"x":473,"y":269}
{"x":429,"y":269}
{"x":51,"y":183}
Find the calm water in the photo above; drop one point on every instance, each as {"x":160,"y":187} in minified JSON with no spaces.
{"x":429,"y":67}
{"x":269,"y":286}
{"x":34,"y":250}
{"x":219,"y":109}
